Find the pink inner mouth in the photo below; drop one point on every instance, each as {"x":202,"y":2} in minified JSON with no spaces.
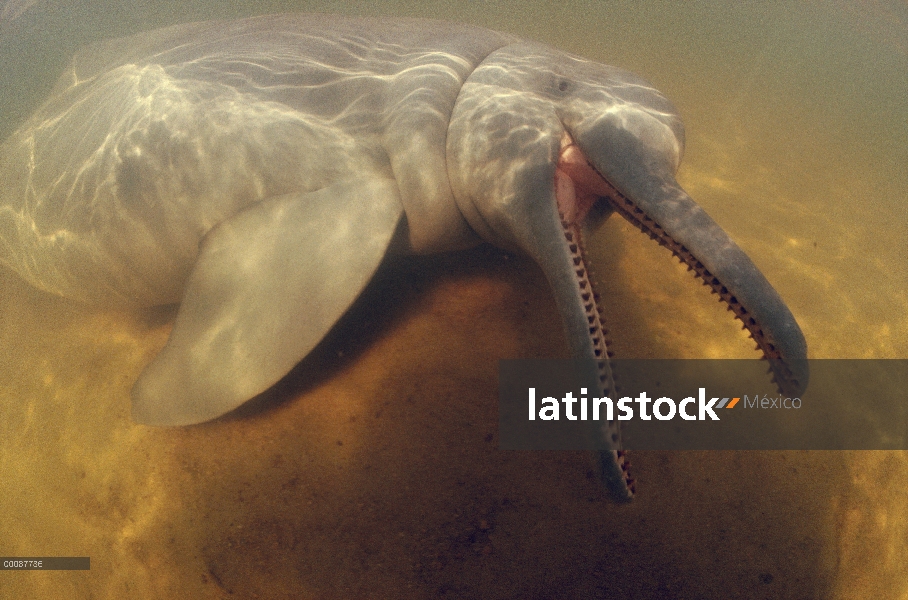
{"x":577,"y":184}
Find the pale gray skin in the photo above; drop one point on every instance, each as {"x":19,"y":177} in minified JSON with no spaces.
{"x":257,"y":171}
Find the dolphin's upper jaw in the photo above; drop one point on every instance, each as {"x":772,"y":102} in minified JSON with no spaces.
{"x":782,"y":374}
{"x":579,"y":186}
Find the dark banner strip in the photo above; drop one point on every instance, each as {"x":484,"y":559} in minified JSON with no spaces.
{"x":704,"y":405}
{"x":45,"y":563}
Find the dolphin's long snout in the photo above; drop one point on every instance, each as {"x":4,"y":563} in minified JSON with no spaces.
{"x":643,"y":190}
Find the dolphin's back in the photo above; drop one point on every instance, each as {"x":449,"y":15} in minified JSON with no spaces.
{"x":299,"y":59}
{"x":148,"y":142}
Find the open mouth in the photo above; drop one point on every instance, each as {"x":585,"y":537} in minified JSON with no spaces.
{"x":579,"y":187}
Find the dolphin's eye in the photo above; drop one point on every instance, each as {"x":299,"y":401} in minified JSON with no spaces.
{"x":563,"y":86}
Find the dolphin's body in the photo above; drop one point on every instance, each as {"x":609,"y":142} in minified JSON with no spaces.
{"x":257,"y":172}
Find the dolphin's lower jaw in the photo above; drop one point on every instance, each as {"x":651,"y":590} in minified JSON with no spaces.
{"x":614,"y":469}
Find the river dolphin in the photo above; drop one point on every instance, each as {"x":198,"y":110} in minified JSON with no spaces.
{"x":257,"y":172}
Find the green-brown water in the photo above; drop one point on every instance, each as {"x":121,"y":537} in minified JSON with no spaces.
{"x":377,"y":474}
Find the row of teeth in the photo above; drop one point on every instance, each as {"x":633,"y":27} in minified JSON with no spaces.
{"x":600,"y":343}
{"x":651,"y":228}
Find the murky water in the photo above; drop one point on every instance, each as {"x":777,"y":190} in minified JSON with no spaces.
{"x":372,"y":471}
